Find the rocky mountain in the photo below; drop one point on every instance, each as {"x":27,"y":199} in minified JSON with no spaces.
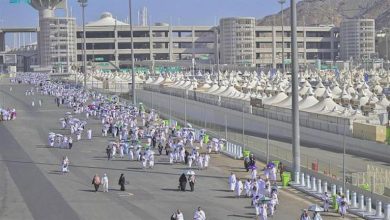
{"x":323,"y":12}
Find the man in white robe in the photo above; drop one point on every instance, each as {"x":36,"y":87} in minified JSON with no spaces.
{"x":105,"y":183}
{"x":206,"y":161}
{"x":89,"y":132}
{"x":199,"y":214}
{"x":239,"y":187}
{"x":232,"y":181}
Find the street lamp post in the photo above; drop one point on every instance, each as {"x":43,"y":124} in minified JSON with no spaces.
{"x":185,"y":109}
{"x":268,"y":149}
{"x":344,"y":156}
{"x":295,"y":108}
{"x":83,"y":4}
{"x":217,"y":56}
{"x":281,"y":2}
{"x":132,"y":56}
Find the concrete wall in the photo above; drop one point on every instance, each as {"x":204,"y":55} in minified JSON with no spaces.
{"x":257,"y":125}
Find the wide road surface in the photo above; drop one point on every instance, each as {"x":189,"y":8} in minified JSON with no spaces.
{"x":31,"y":186}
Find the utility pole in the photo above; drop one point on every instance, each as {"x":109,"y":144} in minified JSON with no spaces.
{"x":281,"y":8}
{"x":132,"y":56}
{"x":295,"y":84}
{"x":217,"y":55}
{"x":83,"y":4}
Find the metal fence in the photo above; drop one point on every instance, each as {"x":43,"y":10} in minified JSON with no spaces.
{"x":375,"y":179}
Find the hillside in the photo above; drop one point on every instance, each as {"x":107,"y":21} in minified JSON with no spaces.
{"x":316,"y":12}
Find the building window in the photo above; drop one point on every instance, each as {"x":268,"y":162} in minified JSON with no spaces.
{"x":205,"y":34}
{"x":97,"y":34}
{"x":160,"y":33}
{"x":263,"y":33}
{"x":161,"y":56}
{"x":263,"y":45}
{"x":318,"y":34}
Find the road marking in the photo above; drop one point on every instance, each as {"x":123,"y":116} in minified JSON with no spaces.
{"x":126,"y":194}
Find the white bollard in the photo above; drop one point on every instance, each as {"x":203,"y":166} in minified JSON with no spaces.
{"x":325,"y":187}
{"x":361,"y":202}
{"x":387,"y":212}
{"x":313,"y":184}
{"x":333,"y":189}
{"x":319,"y":188}
{"x":308,"y":185}
{"x":303,"y":179}
{"x":368,"y":205}
{"x":347,"y":195}
{"x":297,"y":178}
{"x":341,"y":190}
{"x":354,"y":200}
{"x":378,"y":209}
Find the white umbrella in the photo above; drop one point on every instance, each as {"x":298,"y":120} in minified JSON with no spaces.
{"x":190,"y":172}
{"x":315,"y":208}
{"x":214,"y":140}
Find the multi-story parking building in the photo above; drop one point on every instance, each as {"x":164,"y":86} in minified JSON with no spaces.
{"x":241,"y":43}
{"x":239,"y":40}
{"x":108,"y":40}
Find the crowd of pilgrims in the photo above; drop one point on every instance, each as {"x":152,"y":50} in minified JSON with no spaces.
{"x":138,"y":134}
{"x":7,"y":114}
{"x":262,"y":190}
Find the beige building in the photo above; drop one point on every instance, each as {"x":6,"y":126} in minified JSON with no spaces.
{"x":237,"y":40}
{"x":244,"y":43}
{"x":108,"y":40}
{"x":357,"y":39}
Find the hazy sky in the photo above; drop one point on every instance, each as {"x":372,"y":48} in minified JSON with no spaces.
{"x":185,"y":12}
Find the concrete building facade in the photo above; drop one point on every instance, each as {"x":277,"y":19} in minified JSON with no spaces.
{"x":108,"y":40}
{"x":357,"y":39}
{"x":237,"y":38}
{"x":57,"y":45}
{"x":244,"y":43}
{"x":240,"y":42}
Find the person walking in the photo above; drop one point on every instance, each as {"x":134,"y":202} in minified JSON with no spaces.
{"x":317,"y":216}
{"x":182,"y":182}
{"x":96,"y":182}
{"x":232,"y":182}
{"x":70,"y":142}
{"x":109,"y":152}
{"x":326,"y":200}
{"x":281,"y":169}
{"x":199,"y":214}
{"x":178,"y":215}
{"x":305,"y":215}
{"x":122,"y":182}
{"x":105,"y":183}
{"x":191,"y":180}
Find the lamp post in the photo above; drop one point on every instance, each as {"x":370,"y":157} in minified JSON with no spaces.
{"x":295,"y":107}
{"x":268,"y":139}
{"x":132,"y":56}
{"x":281,"y":2}
{"x":217,"y":56}
{"x":83,"y":4}
{"x":344,"y":156}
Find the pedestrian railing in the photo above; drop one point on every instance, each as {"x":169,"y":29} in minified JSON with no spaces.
{"x":233,"y":150}
{"x":359,"y":203}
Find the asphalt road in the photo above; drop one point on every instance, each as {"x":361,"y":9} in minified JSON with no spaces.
{"x":31,"y":186}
